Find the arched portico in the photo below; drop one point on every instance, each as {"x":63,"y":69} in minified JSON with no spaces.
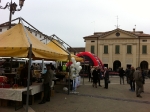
{"x":144,"y":65}
{"x":116,"y":65}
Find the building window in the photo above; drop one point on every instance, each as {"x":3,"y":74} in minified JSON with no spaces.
{"x":92,"y":49}
{"x":92,"y":41}
{"x":35,"y":34}
{"x":144,"y":49}
{"x":117,"y":49}
{"x":0,"y":30}
{"x":144,"y":40}
{"x":105,"y":49}
{"x":129,"y":49}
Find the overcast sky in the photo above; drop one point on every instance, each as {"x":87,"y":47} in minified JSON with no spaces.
{"x":71,"y":20}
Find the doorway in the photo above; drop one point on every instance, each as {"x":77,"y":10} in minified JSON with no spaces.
{"x":116,"y":65}
{"x":144,"y":65}
{"x":128,"y":66}
{"x":106,"y":65}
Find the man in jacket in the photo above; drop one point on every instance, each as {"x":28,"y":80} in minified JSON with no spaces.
{"x":121,"y":74}
{"x":132,"y":82}
{"x":138,"y":79}
{"x":106,"y":77}
{"x":47,"y":84}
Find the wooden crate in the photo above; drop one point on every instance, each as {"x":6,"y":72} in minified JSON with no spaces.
{"x":4,"y":103}
{"x":52,"y":93}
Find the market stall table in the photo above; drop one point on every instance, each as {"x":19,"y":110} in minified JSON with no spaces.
{"x":17,"y":94}
{"x":13,"y":94}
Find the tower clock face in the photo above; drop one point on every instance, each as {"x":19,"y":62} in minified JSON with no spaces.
{"x":117,"y":34}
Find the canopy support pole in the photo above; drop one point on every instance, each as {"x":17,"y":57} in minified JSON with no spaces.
{"x":69,"y":74}
{"x":29,"y":67}
{"x":42,"y":65}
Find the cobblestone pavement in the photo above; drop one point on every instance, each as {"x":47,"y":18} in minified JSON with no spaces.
{"x":117,"y":98}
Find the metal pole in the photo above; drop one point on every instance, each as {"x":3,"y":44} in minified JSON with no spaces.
{"x":69,"y":74}
{"x":42,"y":65}
{"x":10,"y":14}
{"x":29,"y":68}
{"x":83,"y":70}
{"x":97,"y":46}
{"x":139,"y":53}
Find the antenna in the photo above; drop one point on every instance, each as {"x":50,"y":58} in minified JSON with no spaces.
{"x":135,"y":27}
{"x":117,"y":26}
{"x":94,"y":25}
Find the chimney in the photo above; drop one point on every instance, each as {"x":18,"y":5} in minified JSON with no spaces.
{"x":133,"y":30}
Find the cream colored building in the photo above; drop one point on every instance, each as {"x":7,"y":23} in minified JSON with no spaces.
{"x":120,"y":48}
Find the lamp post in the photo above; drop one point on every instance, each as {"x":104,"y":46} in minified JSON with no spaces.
{"x":12,"y":8}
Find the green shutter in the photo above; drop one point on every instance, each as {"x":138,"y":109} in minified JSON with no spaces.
{"x":105,"y":49}
{"x":92,"y":49}
{"x":144,"y":49}
{"x":129,"y":49}
{"x":117,"y":49}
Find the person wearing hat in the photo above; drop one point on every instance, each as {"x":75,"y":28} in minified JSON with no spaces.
{"x":47,"y":84}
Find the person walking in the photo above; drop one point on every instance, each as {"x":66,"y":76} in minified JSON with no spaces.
{"x":127,"y":73}
{"x":106,"y":77}
{"x":121,"y":74}
{"x":47,"y":84}
{"x":137,"y":76}
{"x":132,"y":82}
{"x":99,"y":76}
{"x":95,"y":76}
{"x":91,"y":71}
{"x":143,"y":76}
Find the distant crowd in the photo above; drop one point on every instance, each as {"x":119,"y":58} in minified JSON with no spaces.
{"x":134,"y":77}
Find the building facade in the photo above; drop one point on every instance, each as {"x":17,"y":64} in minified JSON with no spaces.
{"x":120,"y":48}
{"x":76,"y":50}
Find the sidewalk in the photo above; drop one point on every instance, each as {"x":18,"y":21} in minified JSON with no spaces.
{"x":117,"y":98}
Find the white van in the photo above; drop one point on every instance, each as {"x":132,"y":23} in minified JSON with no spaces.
{"x":44,"y":63}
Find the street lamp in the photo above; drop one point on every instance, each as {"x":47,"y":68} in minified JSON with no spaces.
{"x":12,"y":8}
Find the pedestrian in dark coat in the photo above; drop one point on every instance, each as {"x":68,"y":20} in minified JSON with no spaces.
{"x":106,"y":77}
{"x":47,"y":84}
{"x":143,"y":76}
{"x":99,"y":76}
{"x":121,"y":74}
{"x":127,"y":73}
{"x":95,"y":76}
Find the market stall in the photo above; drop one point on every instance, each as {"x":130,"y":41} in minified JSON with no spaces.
{"x":19,"y":42}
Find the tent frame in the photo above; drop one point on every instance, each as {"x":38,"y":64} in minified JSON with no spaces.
{"x":30,"y":54}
